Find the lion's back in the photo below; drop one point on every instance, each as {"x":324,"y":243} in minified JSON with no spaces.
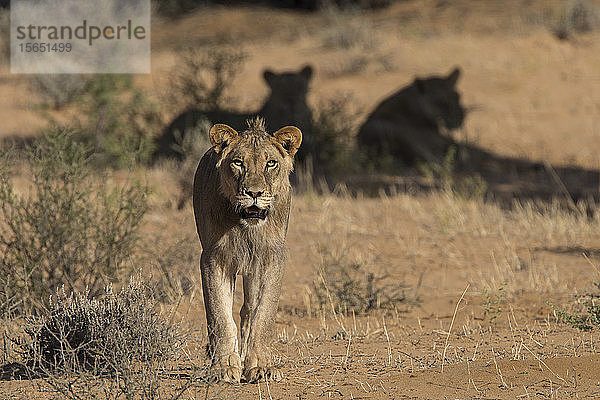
{"x":207,"y":201}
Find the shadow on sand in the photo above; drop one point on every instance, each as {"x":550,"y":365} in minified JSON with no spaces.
{"x":410,"y":128}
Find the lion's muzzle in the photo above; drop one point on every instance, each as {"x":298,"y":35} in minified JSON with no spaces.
{"x":254,"y":212}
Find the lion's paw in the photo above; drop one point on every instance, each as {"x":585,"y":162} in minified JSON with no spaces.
{"x":257,"y":374}
{"x":227,"y":369}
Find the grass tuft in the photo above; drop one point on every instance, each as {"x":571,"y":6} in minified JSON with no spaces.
{"x":347,"y":284}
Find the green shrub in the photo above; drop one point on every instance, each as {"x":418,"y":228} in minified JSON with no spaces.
{"x":493,"y":302}
{"x":72,"y":229}
{"x":118,"y":121}
{"x":586,"y":321}
{"x":444,"y":172}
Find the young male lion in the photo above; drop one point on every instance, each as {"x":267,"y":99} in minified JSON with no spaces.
{"x":241,"y":203}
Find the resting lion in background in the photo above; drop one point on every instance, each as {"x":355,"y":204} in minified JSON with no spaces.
{"x":285,"y":105}
{"x":407,"y":125}
{"x":242,"y":198}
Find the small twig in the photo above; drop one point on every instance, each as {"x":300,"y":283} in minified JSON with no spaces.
{"x":452,"y":324}
{"x":544,"y":364}
{"x":591,"y":263}
{"x":331,"y":303}
{"x":562,"y":186}
{"x":388,"y":343}
{"x":345,"y":363}
{"x":504,"y":385}
{"x":470,"y":378}
{"x":259,"y":392}
{"x":268,"y":388}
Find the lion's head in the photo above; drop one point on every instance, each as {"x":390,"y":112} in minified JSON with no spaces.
{"x":287,"y":103}
{"x":289,"y":86}
{"x":254,"y":166}
{"x":439,"y":99}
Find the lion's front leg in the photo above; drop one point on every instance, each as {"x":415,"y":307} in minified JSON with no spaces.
{"x":218,"y":286}
{"x":261,"y":299}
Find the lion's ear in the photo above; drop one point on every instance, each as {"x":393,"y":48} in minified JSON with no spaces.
{"x":289,"y":137}
{"x":420,"y":85}
{"x":269,"y":75}
{"x":453,"y":77}
{"x":221,"y":135}
{"x":307,"y":72}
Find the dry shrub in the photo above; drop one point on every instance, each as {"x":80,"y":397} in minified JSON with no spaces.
{"x":347,"y":29}
{"x":346,"y":284}
{"x":191,"y":144}
{"x":331,"y":147}
{"x":114,"y":346}
{"x":576,"y":16}
{"x":102,"y":335}
{"x":72,"y":229}
{"x":57,"y":90}
{"x":201,"y":77}
{"x":4,"y":34}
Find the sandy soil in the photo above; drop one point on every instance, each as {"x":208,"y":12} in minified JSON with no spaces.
{"x":478,"y":277}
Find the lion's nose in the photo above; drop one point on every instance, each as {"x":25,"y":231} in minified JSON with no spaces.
{"x":253,"y":194}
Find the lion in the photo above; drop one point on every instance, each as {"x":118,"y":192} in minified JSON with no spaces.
{"x":242,"y":198}
{"x":285,"y":105}
{"x":407,"y":125}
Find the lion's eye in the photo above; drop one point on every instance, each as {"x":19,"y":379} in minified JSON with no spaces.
{"x":237,"y":163}
{"x":271,"y":164}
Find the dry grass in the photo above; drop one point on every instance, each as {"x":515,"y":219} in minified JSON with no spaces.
{"x":444,"y":242}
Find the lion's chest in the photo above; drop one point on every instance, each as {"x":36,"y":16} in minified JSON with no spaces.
{"x":245,"y":250}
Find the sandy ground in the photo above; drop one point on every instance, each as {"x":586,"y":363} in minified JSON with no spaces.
{"x":479,"y":278}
